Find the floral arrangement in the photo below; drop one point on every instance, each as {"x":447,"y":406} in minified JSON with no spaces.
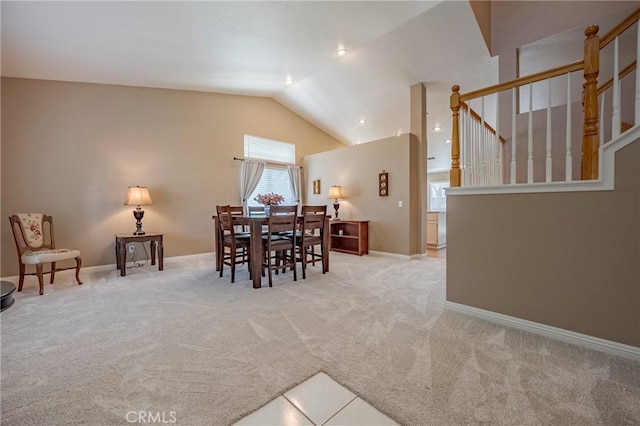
{"x":271,"y":199}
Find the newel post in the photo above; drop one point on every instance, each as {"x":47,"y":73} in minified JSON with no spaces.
{"x":454,"y":174}
{"x":590,"y":138}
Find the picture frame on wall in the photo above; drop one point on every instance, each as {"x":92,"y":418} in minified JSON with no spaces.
{"x":316,"y":186}
{"x":383,"y":184}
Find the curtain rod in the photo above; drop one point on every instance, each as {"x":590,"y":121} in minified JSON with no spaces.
{"x":269,"y":163}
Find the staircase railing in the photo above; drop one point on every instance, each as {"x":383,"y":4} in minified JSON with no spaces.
{"x":478,"y":155}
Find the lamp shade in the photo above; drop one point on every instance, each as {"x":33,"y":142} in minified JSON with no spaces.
{"x":335,"y":193}
{"x":138,"y":196}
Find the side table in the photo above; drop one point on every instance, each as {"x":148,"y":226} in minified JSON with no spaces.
{"x":122,"y":240}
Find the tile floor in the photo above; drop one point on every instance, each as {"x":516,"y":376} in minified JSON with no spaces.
{"x":319,"y":400}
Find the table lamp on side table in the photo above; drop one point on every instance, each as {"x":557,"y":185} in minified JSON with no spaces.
{"x":335,"y":193}
{"x":138,"y":196}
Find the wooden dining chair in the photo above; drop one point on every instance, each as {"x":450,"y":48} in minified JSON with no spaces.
{"x":279,"y":250}
{"x":235,"y":245}
{"x":310,"y":236}
{"x":35,"y":242}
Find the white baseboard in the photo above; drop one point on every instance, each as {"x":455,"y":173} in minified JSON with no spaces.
{"x":396,"y":255}
{"x":99,"y":268}
{"x":591,"y":342}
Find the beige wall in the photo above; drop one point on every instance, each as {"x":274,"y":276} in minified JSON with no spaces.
{"x":72,"y":149}
{"x":356,"y":170}
{"x":568,"y":260}
{"x":482,"y":12}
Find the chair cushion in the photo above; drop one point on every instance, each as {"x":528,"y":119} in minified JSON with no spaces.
{"x":51,"y":255}
{"x":32,"y":227}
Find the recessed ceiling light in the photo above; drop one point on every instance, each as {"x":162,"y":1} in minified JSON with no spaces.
{"x":447,"y":141}
{"x":341,"y":52}
{"x":362,"y":121}
{"x":289,"y":80}
{"x":437,"y":127}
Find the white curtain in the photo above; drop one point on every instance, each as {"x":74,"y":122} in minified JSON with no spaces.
{"x":250,"y":174}
{"x":295,"y":180}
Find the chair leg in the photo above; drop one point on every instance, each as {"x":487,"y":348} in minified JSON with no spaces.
{"x":53,"y":272}
{"x":40,"y":277}
{"x":269,"y":269}
{"x":293,"y":261}
{"x":78,"y":265}
{"x":21,"y":282}
{"x":233,"y":264}
{"x":303,"y":257}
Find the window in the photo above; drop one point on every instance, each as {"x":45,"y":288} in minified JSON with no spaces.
{"x":438,"y":195}
{"x":275,"y":177}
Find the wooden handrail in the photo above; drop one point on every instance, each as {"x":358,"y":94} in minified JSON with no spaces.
{"x":619,"y":29}
{"x":565,"y":69}
{"x":477,"y":117}
{"x":626,"y":71}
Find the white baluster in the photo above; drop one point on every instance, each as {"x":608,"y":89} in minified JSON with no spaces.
{"x":467,"y":158}
{"x":467,"y":181}
{"x":568,"y":161}
{"x":601,"y":119}
{"x":530,"y":137}
{"x":483,"y":146}
{"x":615,"y":120}
{"x":498,"y":144}
{"x":548,"y":158}
{"x":513,"y":136}
{"x":463,"y":138}
{"x":637,"y":122}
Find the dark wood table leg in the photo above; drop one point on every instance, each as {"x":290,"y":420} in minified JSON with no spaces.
{"x":326,"y":237}
{"x":256,"y":253}
{"x":123,"y":259}
{"x":160,"y":254}
{"x":152,"y":245}
{"x":117,"y":247}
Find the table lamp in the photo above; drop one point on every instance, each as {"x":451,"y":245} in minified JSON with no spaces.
{"x":335,"y":193}
{"x":138,"y":196}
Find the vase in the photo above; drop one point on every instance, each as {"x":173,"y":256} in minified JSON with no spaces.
{"x":267,"y":210}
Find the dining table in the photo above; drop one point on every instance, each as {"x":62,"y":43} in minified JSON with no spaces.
{"x":255,"y":224}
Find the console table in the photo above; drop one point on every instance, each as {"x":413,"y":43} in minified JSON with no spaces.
{"x":350,"y":236}
{"x":122,"y":240}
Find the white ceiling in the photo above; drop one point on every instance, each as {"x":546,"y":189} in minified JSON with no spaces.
{"x":252,"y":47}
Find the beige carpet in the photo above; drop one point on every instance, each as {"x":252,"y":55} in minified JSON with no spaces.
{"x":188,"y":342}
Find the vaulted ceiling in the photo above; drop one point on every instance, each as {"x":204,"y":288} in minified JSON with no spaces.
{"x":252,"y":48}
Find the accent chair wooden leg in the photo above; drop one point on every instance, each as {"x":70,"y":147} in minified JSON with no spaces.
{"x":21,"y":281}
{"x":53,"y":272}
{"x":40,"y":277}
{"x":78,"y":265}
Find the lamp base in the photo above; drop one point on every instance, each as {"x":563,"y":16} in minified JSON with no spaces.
{"x":138,"y":213}
{"x":336,"y":206}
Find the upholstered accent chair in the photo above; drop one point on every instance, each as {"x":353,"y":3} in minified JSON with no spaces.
{"x":34,"y":238}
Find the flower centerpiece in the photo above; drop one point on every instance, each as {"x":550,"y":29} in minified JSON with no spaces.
{"x":271,"y":199}
{"x":268,"y":200}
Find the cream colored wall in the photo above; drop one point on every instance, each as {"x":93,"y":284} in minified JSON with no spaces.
{"x":356,"y":169}
{"x":72,"y":149}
